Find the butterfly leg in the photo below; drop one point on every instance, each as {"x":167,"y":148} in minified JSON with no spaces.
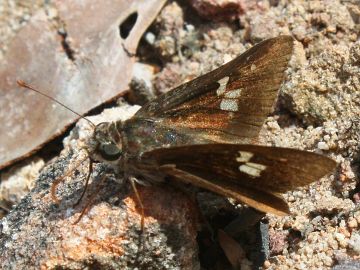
{"x":91,"y":199}
{"x":133,"y":185}
{"x":86,"y":183}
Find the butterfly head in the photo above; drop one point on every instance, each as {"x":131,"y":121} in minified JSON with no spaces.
{"x":107,"y":142}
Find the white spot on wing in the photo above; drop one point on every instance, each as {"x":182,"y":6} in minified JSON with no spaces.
{"x":249,"y":170}
{"x":252,"y":169}
{"x":253,"y":67}
{"x":256,"y":166}
{"x":223,"y":82}
{"x":229,"y":105}
{"x":236,"y":93}
{"x":244,"y":156}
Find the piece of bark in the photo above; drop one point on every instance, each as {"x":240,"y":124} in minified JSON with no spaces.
{"x":85,"y":65}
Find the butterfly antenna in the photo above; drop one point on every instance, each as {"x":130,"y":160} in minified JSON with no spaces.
{"x":25,"y":85}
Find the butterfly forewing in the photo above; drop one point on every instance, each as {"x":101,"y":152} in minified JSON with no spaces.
{"x":253,"y":174}
{"x":230,"y":103}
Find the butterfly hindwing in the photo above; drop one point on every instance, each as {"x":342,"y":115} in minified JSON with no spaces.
{"x":252,"y":174}
{"x":262,"y":201}
{"x":230,"y":103}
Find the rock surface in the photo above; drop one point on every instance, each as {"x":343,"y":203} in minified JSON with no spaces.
{"x":40,"y":234}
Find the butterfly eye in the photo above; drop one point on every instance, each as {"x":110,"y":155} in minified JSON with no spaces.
{"x":110,"y":151}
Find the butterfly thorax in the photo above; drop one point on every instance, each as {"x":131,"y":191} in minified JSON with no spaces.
{"x":143,"y":135}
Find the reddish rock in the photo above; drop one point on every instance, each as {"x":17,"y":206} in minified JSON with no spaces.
{"x":224,"y":10}
{"x":37,"y":234}
{"x":277,"y":241}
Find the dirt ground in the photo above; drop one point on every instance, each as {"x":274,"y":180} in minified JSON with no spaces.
{"x":318,"y":110}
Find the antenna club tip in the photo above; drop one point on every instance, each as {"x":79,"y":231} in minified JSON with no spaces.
{"x":21,"y":83}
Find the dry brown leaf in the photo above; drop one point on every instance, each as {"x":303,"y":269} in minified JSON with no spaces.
{"x":232,"y":249}
{"x":99,"y":69}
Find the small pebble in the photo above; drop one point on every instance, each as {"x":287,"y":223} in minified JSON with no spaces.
{"x":323,"y":146}
{"x":326,"y":138}
{"x":327,"y":260}
{"x":150,"y":38}
{"x":352,"y":223}
{"x":227,"y":58}
{"x":357,"y":216}
{"x":354,"y":242}
{"x":267,"y":264}
{"x":341,"y":239}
